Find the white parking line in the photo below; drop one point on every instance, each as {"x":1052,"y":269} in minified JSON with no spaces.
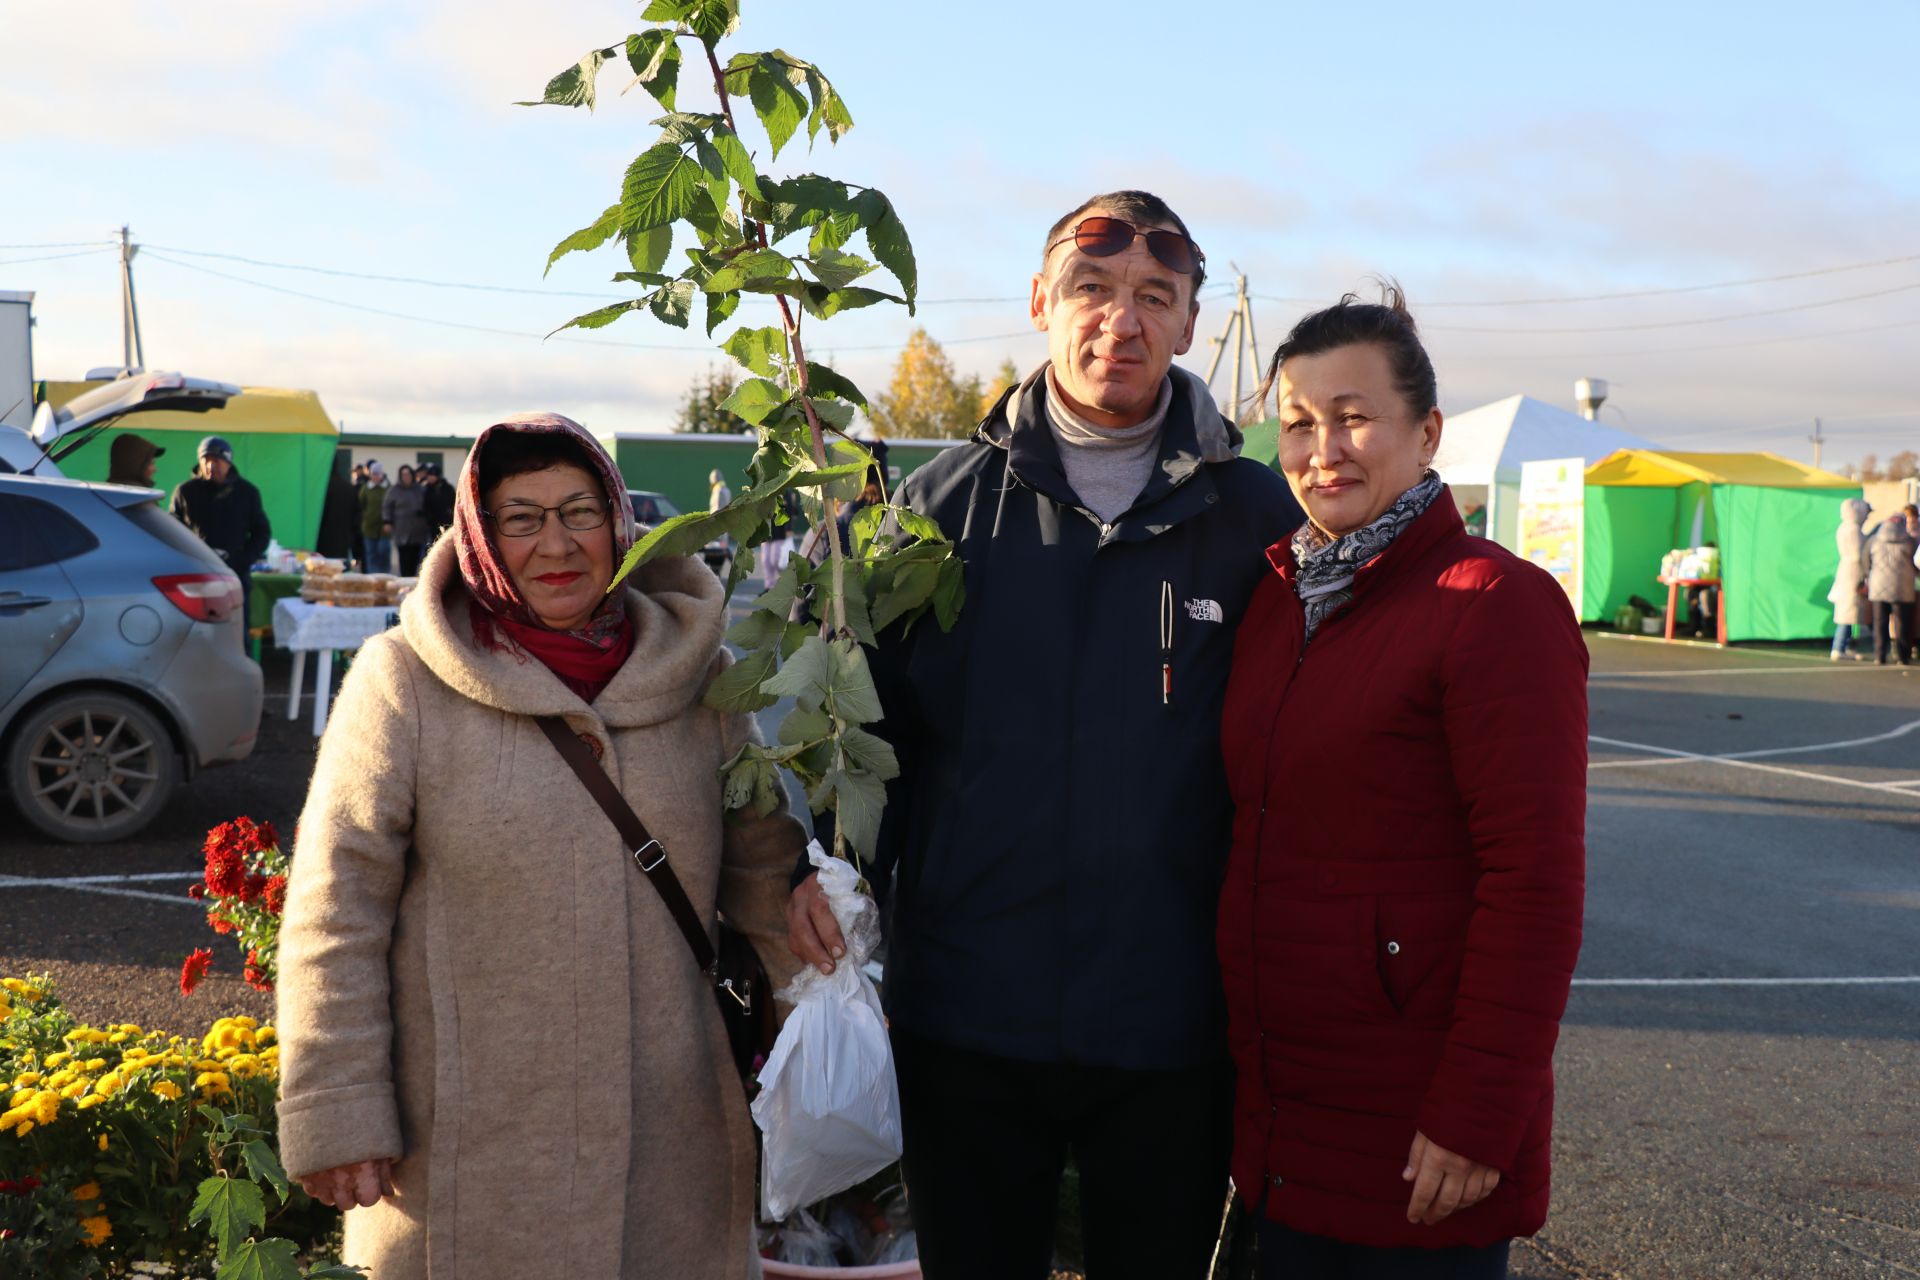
{"x":104,"y":885}
{"x":1901,"y":732}
{"x":1728,"y":671}
{"x":1734,"y":762}
{"x":1895,"y":981}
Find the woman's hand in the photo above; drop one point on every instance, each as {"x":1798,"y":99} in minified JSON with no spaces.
{"x":351,"y":1185}
{"x":812,"y":932}
{"x":1444,"y":1182}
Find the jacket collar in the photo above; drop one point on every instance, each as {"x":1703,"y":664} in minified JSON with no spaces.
{"x":678,"y":614}
{"x":1195,"y":433}
{"x":1433,"y":526}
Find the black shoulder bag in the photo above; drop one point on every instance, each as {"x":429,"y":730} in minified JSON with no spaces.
{"x":740,"y":983}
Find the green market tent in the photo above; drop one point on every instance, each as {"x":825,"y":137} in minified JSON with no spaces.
{"x":283,"y":441}
{"x":1772,"y":518}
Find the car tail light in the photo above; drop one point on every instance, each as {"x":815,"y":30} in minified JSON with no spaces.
{"x":204,"y":597}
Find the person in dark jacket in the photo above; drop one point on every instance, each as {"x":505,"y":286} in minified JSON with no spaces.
{"x":339,"y":515}
{"x":1051,"y":853}
{"x":405,"y":510}
{"x":1405,"y":734}
{"x":439,"y":499}
{"x":131,"y":460}
{"x":223,"y":508}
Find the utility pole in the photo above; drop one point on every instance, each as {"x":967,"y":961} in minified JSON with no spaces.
{"x":132,"y":356}
{"x":1239,"y":331}
{"x":1818,"y":439}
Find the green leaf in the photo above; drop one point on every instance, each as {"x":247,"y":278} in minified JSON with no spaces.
{"x":652,"y":279}
{"x":779,"y":105}
{"x":864,"y":526}
{"x":806,"y":676}
{"x":758,"y":630}
{"x":264,"y":1165}
{"x":887,"y":237}
{"x":835,"y":479}
{"x":603,"y":316}
{"x":232,"y":1209}
{"x":777,"y":600}
{"x":852,"y":695}
{"x":739,"y":687}
{"x":768,"y":792}
{"x":858,"y":620}
{"x":741,"y":778}
{"x":739,"y":165}
{"x":714,"y":20}
{"x":760,"y":351}
{"x":719,"y":307}
{"x":951,"y":592}
{"x":682,"y":127}
{"x":805,"y":725}
{"x":833,"y":231}
{"x":836,"y":270}
{"x":858,"y":799}
{"x":755,"y":400}
{"x":661,"y":186}
{"x":673,"y":303}
{"x":647,"y":248}
{"x":919,"y":526}
{"x":668,"y":10}
{"x":837,"y":414}
{"x":872,"y":753}
{"x":655,"y":59}
{"x":804,"y":201}
{"x":824,"y":303}
{"x":914,"y":582}
{"x":684,"y":535}
{"x":822,"y":380}
{"x":272,"y":1259}
{"x":828,"y":109}
{"x":336,"y":1271}
{"x":589,"y":237}
{"x":749,"y":268}
{"x":574,"y":87}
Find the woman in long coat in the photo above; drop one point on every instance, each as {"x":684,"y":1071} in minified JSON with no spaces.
{"x":1890,"y":588}
{"x":495,"y":1041}
{"x":1405,"y":739}
{"x":1849,"y":591}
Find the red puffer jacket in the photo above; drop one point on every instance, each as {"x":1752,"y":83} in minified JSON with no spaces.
{"x":1401,"y":913}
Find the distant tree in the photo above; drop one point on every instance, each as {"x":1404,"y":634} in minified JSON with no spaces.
{"x":1007,"y":375}
{"x":926,"y":400}
{"x":1904,"y":465}
{"x":1869,"y":470}
{"x":700,"y":413}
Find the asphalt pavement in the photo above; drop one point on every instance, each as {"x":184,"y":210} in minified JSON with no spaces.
{"x":1739,"y":1069}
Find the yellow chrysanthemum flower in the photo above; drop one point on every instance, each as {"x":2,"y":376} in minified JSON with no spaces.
{"x":77,"y":1089}
{"x":103,"y":1142}
{"x":21,"y":1095}
{"x":55,"y":1059}
{"x":87,"y":1191}
{"x":26,"y":1078}
{"x":60,"y":1079}
{"x":108,"y":1085}
{"x":46,"y":1107}
{"x":98,"y":1230}
{"x":166,"y":1089}
{"x":87,"y":1103}
{"x":95,"y":1064}
{"x":6,"y":1009}
{"x":265,"y":1035}
{"x":26,"y":1127}
{"x":244,"y":1065}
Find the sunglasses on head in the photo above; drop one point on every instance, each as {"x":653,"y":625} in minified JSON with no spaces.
{"x":1102,"y":237}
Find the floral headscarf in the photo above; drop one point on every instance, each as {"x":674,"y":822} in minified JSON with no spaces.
{"x":481,"y":567}
{"x":1326,"y":564}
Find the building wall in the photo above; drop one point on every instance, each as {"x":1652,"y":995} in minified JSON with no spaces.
{"x":393,"y":450}
{"x":678,"y":465}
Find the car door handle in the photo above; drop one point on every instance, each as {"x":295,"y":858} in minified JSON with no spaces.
{"x":14,"y":600}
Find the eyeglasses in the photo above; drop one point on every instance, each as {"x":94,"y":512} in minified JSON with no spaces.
{"x":1102,"y":237}
{"x":524,"y":519}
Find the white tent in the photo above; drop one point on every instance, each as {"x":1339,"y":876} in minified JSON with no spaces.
{"x":1483,"y":448}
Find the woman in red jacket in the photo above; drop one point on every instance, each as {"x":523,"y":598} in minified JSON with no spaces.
{"x":1405,"y":735}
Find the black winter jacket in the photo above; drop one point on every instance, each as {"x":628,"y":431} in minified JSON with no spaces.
{"x":227,"y":517}
{"x":1057,"y":837}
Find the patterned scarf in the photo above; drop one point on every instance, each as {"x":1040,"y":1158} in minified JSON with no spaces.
{"x":1327,"y":564}
{"x":498,"y":604}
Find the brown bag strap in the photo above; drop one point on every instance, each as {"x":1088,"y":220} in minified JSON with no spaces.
{"x":648,"y":854}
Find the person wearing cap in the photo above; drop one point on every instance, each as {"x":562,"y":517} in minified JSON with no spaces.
{"x":223,"y":508}
{"x":440,"y":499}
{"x":1051,"y":854}
{"x":131,"y":461}
{"x":376,"y":535}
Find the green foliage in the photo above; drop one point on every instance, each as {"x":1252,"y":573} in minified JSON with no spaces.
{"x":794,"y":243}
{"x":704,"y":410}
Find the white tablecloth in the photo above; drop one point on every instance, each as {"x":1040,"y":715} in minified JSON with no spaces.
{"x":299,"y":625}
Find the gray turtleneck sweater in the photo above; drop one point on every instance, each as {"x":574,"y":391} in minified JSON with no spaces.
{"x":1107,"y":466}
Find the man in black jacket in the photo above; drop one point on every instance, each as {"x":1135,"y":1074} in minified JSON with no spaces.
{"x":224,"y":509}
{"x":1052,"y":851}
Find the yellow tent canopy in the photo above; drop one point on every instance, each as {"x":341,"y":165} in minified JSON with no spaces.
{"x":261,"y":410}
{"x":1650,"y":469}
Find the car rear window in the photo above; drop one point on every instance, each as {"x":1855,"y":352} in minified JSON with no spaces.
{"x":34,"y":532}
{"x":171,"y":532}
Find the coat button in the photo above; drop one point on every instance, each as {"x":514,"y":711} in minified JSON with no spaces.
{"x":1393,"y":948}
{"x":1277,"y":1180}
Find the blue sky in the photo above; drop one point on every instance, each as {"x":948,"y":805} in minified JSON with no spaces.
{"x":1475,"y":151}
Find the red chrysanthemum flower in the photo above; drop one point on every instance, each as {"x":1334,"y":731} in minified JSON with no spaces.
{"x":197,"y":892}
{"x":274,"y":896}
{"x":269,"y":838}
{"x":226,"y":862}
{"x":194,"y":969}
{"x":219,"y":922}
{"x":256,"y":977}
{"x":252,"y":887}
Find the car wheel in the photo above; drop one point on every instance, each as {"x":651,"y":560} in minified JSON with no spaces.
{"x":91,"y":767}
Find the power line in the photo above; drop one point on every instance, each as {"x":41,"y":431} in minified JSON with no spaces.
{"x":1711,"y":346}
{"x":1681,"y":324}
{"x":60,"y":244}
{"x":53,"y":257}
{"x":516,"y":333}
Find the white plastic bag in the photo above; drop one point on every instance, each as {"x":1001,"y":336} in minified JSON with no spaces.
{"x":828,"y":1103}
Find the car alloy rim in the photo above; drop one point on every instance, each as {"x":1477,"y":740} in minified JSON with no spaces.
{"x":93,"y":768}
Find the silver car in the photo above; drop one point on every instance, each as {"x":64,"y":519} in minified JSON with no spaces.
{"x":123,"y":667}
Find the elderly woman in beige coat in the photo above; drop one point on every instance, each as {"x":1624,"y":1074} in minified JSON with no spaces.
{"x":498,"y":1053}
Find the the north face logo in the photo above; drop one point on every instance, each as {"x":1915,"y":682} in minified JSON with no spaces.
{"x":1205,"y":611}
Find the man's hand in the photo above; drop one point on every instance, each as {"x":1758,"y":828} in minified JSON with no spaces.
{"x":812,"y":932}
{"x":1444,"y":1182}
{"x":385,"y":528}
{"x":351,"y":1185}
